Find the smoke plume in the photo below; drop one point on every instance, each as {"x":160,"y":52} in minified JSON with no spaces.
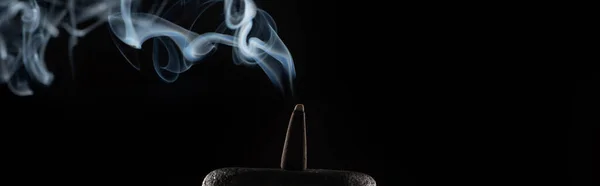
{"x":28,"y":25}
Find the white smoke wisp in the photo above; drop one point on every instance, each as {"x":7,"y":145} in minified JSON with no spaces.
{"x":28,"y":25}
{"x":254,"y":40}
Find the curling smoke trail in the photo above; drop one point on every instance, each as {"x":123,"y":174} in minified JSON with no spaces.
{"x":27,"y":26}
{"x":254,"y":42}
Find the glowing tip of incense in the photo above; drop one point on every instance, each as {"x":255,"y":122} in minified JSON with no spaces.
{"x":299,"y":107}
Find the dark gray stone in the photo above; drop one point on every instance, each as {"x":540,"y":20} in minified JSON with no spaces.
{"x":277,"y":177}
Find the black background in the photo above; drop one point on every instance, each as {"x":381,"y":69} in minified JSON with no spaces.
{"x":126,"y":126}
{"x":584,"y":143}
{"x":367,"y":96}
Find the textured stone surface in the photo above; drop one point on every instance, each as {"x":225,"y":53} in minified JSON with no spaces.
{"x":278,"y":177}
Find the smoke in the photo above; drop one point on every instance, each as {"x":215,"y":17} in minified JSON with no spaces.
{"x":28,"y":25}
{"x":184,"y":47}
